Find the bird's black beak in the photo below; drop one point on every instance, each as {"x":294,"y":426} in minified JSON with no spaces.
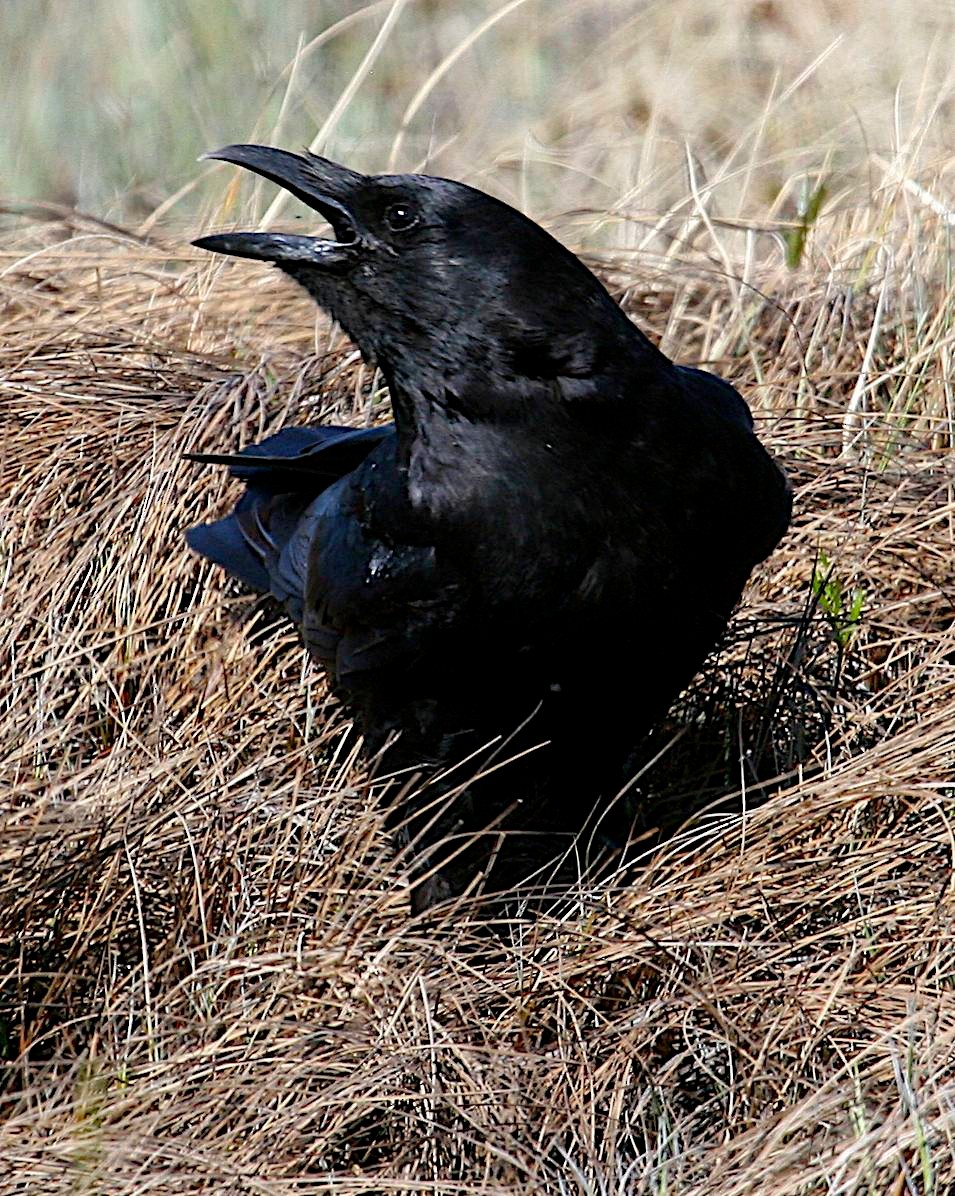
{"x":325,"y":186}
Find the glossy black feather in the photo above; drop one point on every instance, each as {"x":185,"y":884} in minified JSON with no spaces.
{"x":536,"y":557}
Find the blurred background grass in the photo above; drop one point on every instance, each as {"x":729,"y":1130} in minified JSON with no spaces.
{"x":597,"y":104}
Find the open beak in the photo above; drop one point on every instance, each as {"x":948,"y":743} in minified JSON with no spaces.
{"x":325,"y":186}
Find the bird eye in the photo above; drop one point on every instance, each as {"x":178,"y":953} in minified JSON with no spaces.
{"x":401,"y":216}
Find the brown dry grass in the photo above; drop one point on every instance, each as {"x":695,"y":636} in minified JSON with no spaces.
{"x":209,"y":980}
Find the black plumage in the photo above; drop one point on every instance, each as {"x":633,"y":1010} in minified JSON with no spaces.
{"x":540,"y":551}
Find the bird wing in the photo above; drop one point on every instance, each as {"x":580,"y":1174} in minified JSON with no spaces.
{"x":283,"y":475}
{"x":297,"y":458}
{"x":305,"y":532}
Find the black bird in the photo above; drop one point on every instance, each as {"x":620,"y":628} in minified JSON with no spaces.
{"x":536,"y":557}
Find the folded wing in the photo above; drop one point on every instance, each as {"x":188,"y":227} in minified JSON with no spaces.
{"x":260,"y":542}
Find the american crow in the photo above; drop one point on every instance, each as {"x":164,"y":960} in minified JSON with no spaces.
{"x":537,"y":555}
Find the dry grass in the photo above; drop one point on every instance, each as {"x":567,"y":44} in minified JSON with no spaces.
{"x":209,"y":979}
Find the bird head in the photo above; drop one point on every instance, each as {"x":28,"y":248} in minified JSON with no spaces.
{"x":423,"y":270}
